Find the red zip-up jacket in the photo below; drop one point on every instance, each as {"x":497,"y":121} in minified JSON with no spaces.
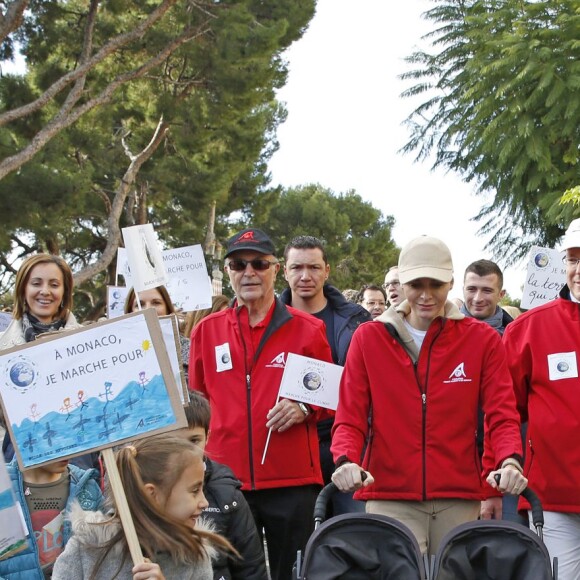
{"x":422,"y":437}
{"x":241,"y":397}
{"x":542,"y":349}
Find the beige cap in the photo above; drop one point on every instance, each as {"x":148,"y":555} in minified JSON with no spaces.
{"x":425,"y":257}
{"x":572,"y":236}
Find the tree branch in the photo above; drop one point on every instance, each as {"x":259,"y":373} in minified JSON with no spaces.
{"x":65,"y":118}
{"x":11,"y":19}
{"x":81,"y":71}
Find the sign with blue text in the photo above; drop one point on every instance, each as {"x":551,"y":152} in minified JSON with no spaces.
{"x":545,"y":276}
{"x":89,"y":389}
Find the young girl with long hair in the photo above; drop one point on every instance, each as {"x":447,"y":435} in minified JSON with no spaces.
{"x":163,"y":480}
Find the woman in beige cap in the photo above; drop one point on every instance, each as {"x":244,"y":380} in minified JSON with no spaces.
{"x":419,"y":371}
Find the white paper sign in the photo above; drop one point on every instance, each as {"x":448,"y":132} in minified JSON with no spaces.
{"x":545,"y":276}
{"x":562,"y":365}
{"x":116,"y":296}
{"x":188,"y":284}
{"x":144,"y":257}
{"x":170,"y":330}
{"x":87,"y":389}
{"x":123,"y":267}
{"x":5,"y":320}
{"x":311,"y":381}
{"x":12,"y":530}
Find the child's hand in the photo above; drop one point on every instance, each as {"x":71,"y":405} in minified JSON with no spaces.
{"x":147,"y":571}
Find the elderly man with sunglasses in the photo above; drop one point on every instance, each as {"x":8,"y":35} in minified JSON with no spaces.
{"x":237,"y":359}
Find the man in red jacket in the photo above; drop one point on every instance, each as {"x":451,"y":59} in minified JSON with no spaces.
{"x":420,"y":370}
{"x":542,"y":346}
{"x":237,"y":360}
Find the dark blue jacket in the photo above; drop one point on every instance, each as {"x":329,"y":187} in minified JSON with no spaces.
{"x":84,"y":488}
{"x":347,"y":317}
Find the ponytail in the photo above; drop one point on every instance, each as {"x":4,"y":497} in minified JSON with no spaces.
{"x":160,"y":460}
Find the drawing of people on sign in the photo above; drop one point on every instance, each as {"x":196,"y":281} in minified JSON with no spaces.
{"x":66,"y":407}
{"x":80,"y":397}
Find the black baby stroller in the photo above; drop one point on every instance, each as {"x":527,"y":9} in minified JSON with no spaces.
{"x":358,"y":547}
{"x":496,"y":550}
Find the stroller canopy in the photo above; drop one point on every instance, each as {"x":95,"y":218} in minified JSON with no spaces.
{"x":492,"y":550}
{"x":357,"y":547}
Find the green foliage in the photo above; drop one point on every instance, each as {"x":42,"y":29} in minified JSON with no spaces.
{"x":357,"y":237}
{"x":503,"y":111}
{"x":572,"y":196}
{"x":215,"y":93}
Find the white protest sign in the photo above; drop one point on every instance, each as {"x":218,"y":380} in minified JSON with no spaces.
{"x":12,"y":531}
{"x":170,"y":331}
{"x":188,"y":284}
{"x":308,"y":380}
{"x":144,"y":257}
{"x":5,"y":320}
{"x":123,"y":267}
{"x":116,"y":296}
{"x":88,"y":389}
{"x":545,"y":276}
{"x":311,"y":381}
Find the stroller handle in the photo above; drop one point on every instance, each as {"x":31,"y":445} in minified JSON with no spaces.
{"x":324,"y":497}
{"x":532,"y":497}
{"x":536,"y":504}
{"x":322,"y":501}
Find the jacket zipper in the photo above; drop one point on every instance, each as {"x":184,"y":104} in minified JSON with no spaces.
{"x":250,"y":438}
{"x":424,"y":407}
{"x":274,"y":325}
{"x":248,"y":407}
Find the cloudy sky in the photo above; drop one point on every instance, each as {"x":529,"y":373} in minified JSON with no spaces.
{"x":344,"y":126}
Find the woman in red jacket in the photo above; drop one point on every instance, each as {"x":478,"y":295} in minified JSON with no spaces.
{"x":419,"y":371}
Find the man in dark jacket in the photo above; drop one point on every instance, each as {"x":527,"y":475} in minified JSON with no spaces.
{"x":306,"y":270}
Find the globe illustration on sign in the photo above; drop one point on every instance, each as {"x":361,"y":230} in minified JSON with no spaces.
{"x":312,"y":381}
{"x":116,"y":295}
{"x":541,"y":259}
{"x":22,"y":374}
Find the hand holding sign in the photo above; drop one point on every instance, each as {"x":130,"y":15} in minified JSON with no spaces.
{"x":307,"y":380}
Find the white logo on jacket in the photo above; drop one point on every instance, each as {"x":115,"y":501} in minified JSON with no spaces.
{"x":279,"y":361}
{"x":458,"y":375}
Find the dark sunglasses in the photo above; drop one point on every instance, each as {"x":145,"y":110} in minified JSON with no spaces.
{"x":239,"y":265}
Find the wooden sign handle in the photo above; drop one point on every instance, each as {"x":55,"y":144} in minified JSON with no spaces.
{"x":122,"y":506}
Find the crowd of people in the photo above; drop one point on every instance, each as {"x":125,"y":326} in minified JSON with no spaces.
{"x":446,"y":412}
